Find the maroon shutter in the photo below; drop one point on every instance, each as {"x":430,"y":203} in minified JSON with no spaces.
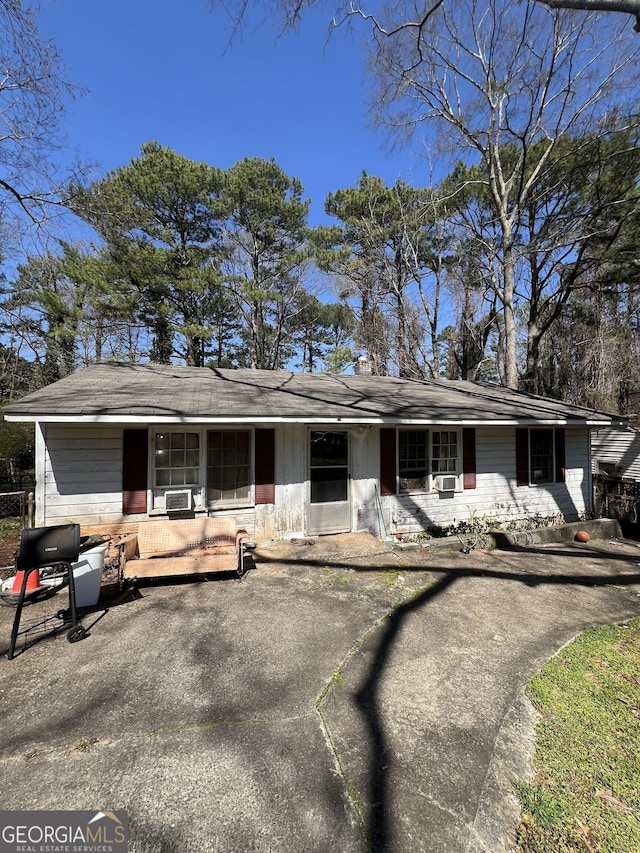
{"x":387,"y":461}
{"x":522,"y":457}
{"x":468,"y":458}
{"x":135,"y":444}
{"x":265,"y":447}
{"x":561,"y":463}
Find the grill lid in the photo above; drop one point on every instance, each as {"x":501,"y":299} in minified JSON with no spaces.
{"x":43,"y":546}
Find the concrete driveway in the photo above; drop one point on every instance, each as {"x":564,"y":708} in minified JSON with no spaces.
{"x":341,"y":697}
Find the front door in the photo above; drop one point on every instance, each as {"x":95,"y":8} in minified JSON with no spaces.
{"x":329,"y":505}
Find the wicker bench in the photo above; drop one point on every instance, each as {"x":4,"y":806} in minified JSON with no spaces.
{"x":187,"y":547}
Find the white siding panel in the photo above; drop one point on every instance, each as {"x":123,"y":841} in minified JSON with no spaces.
{"x":83,"y":485}
{"x":101,"y":440}
{"x":619,"y":447}
{"x":291,"y":486}
{"x":365,"y":467}
{"x":88,"y":453}
{"x":72,"y":469}
{"x":264,"y":523}
{"x":82,"y":475}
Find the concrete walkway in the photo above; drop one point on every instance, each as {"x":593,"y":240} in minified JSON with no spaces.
{"x":340,"y":698}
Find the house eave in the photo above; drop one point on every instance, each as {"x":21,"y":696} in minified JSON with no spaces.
{"x":389,"y":420}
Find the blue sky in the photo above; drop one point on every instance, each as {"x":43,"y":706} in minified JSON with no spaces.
{"x":164,"y":70}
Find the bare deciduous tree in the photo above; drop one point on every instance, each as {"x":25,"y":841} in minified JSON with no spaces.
{"x":502,"y":85}
{"x":627,"y":7}
{"x":33,"y":94}
{"x":293,"y":10}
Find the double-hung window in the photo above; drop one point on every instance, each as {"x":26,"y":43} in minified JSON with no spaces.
{"x":177,"y":458}
{"x":425,"y":454}
{"x":228,"y":466}
{"x":540,"y":456}
{"x":420,"y":460}
{"x":217,"y":464}
{"x":444,"y":452}
{"x":413,"y":455}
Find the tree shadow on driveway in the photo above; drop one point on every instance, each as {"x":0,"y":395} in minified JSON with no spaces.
{"x":376,"y":800}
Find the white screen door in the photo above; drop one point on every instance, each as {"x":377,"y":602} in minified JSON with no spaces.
{"x":329,"y":506}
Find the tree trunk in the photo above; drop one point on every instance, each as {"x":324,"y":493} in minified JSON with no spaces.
{"x":510,"y":350}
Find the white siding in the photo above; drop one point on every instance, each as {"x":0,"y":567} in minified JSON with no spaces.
{"x":496,"y":496}
{"x":365,"y":469}
{"x":83,"y":478}
{"x":291,"y":480}
{"x":82,"y":482}
{"x":82,"y":475}
{"x":289,"y":518}
{"x":619,"y":447}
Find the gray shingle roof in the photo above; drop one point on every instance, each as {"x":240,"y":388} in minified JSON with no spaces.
{"x":150,"y":393}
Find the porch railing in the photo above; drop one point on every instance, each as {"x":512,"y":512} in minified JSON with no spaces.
{"x":616,"y":497}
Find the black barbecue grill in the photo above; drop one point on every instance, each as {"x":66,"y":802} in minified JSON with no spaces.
{"x":55,"y":548}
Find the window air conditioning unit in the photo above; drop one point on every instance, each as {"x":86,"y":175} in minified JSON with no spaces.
{"x":176,"y":500}
{"x":446,"y":483}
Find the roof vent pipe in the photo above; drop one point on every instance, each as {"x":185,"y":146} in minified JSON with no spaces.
{"x":363,"y":366}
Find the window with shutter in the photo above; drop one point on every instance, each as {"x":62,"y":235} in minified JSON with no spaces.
{"x":228,"y":467}
{"x":540,"y":456}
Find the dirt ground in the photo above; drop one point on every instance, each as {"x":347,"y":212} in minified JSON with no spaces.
{"x":10,"y":544}
{"x":8,"y":548}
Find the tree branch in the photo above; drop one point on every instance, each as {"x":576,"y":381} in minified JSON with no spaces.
{"x":628,"y":7}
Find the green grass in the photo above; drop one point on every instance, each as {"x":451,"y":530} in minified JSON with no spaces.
{"x":329,"y":576}
{"x":86,"y":744}
{"x":389,"y":577}
{"x":586,"y":793}
{"x":8,"y":526}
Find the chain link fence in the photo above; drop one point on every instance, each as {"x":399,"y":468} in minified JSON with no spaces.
{"x":18,"y":505}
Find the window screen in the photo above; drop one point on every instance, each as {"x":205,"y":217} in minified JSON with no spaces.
{"x":229,"y":466}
